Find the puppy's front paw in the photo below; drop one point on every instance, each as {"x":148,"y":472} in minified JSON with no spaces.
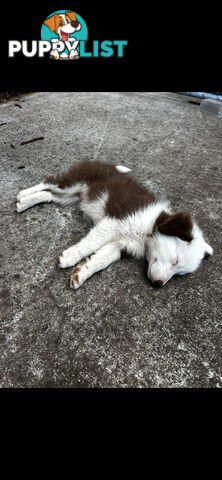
{"x":70,"y":257}
{"x":66,"y":262}
{"x":69,"y":252}
{"x":78,"y":276}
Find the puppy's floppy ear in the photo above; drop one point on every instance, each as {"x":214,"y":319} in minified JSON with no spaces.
{"x":178,"y":225}
{"x":50,"y":23}
{"x":72,"y":16}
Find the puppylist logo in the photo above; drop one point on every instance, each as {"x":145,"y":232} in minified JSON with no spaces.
{"x":64,"y":30}
{"x":64,"y":35}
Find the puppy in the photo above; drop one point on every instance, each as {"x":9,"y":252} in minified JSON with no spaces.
{"x":63,"y":25}
{"x":127,"y":218}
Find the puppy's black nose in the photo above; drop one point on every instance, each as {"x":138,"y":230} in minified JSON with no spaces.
{"x":158,"y":283}
{"x":75,"y":24}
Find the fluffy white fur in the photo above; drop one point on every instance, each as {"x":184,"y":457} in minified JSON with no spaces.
{"x":166,"y":255}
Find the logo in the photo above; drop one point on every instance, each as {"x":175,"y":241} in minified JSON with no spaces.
{"x":64,"y":29}
{"x":64,"y":35}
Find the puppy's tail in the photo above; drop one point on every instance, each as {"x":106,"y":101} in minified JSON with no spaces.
{"x":122,"y":169}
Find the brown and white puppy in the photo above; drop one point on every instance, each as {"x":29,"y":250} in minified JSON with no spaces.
{"x":63,"y":25}
{"x":127,"y":217}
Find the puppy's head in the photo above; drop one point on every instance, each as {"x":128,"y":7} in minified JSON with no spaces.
{"x":176,"y":247}
{"x":63,"y":24}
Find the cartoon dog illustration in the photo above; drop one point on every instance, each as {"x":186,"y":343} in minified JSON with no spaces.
{"x":63,"y":25}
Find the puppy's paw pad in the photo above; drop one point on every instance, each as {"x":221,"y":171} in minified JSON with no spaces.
{"x":75,"y":281}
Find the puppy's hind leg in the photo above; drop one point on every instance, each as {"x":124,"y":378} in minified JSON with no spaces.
{"x":29,"y":201}
{"x":31,"y":190}
{"x":49,"y":192}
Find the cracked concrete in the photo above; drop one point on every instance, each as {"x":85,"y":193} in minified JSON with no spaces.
{"x":116,"y":330}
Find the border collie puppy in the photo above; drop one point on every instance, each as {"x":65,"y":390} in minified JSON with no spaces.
{"x":127,"y":218}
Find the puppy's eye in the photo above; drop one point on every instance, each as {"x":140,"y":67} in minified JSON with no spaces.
{"x":155,"y":260}
{"x":61,"y":22}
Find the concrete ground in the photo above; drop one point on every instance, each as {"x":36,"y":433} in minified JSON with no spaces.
{"x":116,"y":330}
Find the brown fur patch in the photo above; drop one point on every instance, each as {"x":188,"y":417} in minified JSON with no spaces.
{"x":125,"y":194}
{"x":72,"y":17}
{"x":84,"y":171}
{"x":77,"y":269}
{"x":179,"y":225}
{"x":51,"y":22}
{"x":163,"y":216}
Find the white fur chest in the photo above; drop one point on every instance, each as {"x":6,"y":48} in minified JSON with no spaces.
{"x":136,"y":229}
